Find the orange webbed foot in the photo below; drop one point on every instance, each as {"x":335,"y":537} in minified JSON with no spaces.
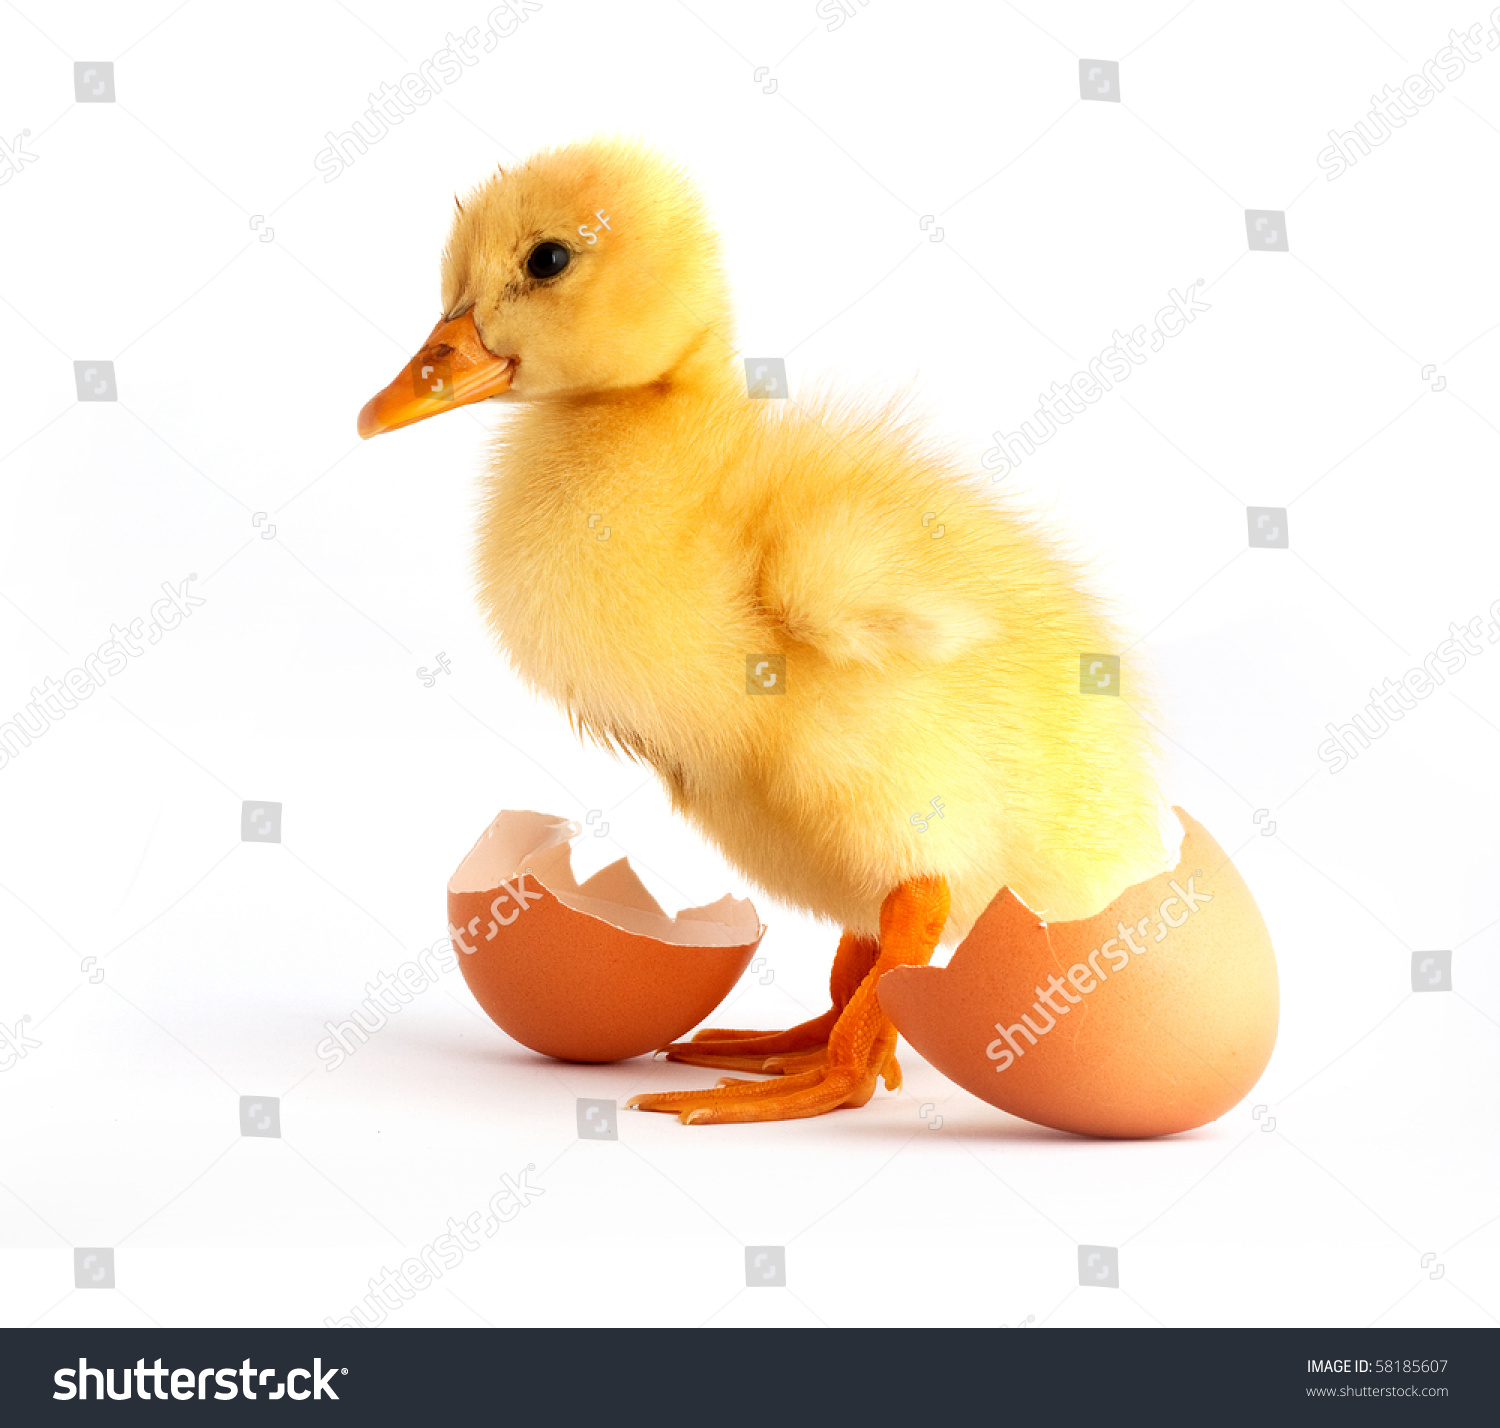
{"x":861,"y":1046}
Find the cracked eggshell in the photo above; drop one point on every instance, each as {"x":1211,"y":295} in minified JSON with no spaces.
{"x":590,"y":972}
{"x":1164,"y":1040}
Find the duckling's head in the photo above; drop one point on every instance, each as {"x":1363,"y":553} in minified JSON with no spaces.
{"x":586,"y":269}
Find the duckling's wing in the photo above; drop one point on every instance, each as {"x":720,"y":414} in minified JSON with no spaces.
{"x":865,"y":577}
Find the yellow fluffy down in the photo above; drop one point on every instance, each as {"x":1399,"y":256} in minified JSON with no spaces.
{"x":910,"y":667}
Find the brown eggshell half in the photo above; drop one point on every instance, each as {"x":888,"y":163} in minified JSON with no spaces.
{"x":1169,"y":1039}
{"x":590,"y":972}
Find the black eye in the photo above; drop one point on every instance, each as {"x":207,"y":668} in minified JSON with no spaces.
{"x":547,"y":260}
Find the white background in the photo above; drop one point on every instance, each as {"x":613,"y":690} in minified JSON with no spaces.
{"x":136,"y":236}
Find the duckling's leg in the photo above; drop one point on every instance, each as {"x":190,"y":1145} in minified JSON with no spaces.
{"x":911,"y":922}
{"x":727,"y":1050}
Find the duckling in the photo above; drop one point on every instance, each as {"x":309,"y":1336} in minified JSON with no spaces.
{"x":855,"y":670}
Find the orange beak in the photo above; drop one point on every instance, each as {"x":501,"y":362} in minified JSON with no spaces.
{"x":453,"y":369}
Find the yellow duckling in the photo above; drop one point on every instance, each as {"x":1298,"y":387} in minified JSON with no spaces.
{"x":854,"y":671}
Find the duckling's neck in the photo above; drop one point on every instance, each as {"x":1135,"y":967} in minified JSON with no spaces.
{"x":705,"y":374}
{"x":657,"y":440}
{"x":710,"y":365}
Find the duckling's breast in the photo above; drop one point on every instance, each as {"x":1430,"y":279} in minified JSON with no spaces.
{"x":620,"y":589}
